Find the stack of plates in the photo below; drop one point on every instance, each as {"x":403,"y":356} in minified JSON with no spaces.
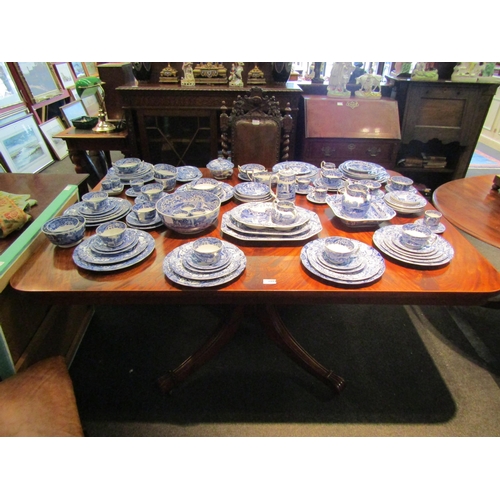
{"x":378,"y":212}
{"x":358,"y":170}
{"x":405,"y":202}
{"x":182,"y":268}
{"x":144,"y":172}
{"x":367,"y":266}
{"x":252,"y":222}
{"x":253,"y":191}
{"x":299,"y":168}
{"x":411,"y":189}
{"x":436,"y":253}
{"x":188,"y":174}
{"x":224,"y":191}
{"x":134,"y":222}
{"x":92,"y":254}
{"x":113,"y":209}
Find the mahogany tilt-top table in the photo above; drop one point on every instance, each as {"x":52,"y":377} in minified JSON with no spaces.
{"x":472,"y":205}
{"x":273,"y":275}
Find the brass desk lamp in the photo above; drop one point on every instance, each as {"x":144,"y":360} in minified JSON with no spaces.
{"x":92,"y":85}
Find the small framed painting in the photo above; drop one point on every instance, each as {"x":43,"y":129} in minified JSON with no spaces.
{"x":91,"y":68}
{"x":13,"y":116}
{"x":73,"y":110}
{"x":9,"y":94}
{"x":49,"y":129}
{"x":78,"y":69}
{"x":40,"y":81}
{"x":22,"y":147}
{"x":65,"y":75}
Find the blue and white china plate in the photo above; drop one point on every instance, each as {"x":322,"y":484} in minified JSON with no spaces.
{"x":311,"y":228}
{"x":122,"y":207}
{"x":384,"y":238}
{"x":405,"y":202}
{"x":252,"y":190}
{"x":440,"y":229}
{"x":378,"y":212}
{"x":130,"y":238}
{"x":257,"y":215}
{"x":116,"y":266}
{"x":238,"y":256}
{"x":241,"y":228}
{"x":298,"y":167}
{"x":86,"y":253}
{"x":134,"y":222}
{"x":177,"y":263}
{"x":373,"y":269}
{"x":190,"y":261}
{"x":188,"y":174}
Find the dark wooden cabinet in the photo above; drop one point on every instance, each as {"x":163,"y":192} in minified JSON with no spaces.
{"x":442,"y":119}
{"x":337,"y":130}
{"x":180,"y":125}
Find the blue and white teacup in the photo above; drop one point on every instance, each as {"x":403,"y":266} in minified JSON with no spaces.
{"x":339,"y":250}
{"x":415,"y":236}
{"x":207,"y":251}
{"x":152,"y":191}
{"x":112,"y":233}
{"x":95,"y":200}
{"x":145,"y":212}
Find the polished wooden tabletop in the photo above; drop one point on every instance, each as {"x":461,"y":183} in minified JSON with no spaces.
{"x":472,"y":205}
{"x":274,"y":273}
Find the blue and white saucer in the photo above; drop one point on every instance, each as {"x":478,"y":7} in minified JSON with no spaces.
{"x":135,"y":223}
{"x":130,"y":238}
{"x":440,"y":229}
{"x":130,"y":192}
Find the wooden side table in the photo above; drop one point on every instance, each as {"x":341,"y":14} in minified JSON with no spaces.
{"x":80,"y":142}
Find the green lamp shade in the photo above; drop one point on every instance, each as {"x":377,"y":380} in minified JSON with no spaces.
{"x":88,"y":86}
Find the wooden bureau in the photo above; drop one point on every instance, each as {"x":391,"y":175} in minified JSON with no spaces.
{"x":337,"y":130}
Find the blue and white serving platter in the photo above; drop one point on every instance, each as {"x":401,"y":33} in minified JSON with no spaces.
{"x":437,"y":253}
{"x":373,"y":269}
{"x":135,"y":223}
{"x":441,"y":228}
{"x":378,"y":212}
{"x":130,"y":239}
{"x":116,"y":265}
{"x":188,"y":174}
{"x":174,"y":261}
{"x":120,"y":209}
{"x":311,"y":228}
{"x":257,"y":215}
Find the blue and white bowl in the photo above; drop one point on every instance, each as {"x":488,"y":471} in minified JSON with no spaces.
{"x":221,"y":168}
{"x":65,"y":231}
{"x":127,"y":166}
{"x":188,"y":212}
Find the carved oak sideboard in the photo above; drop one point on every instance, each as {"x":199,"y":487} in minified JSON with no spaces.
{"x":180,"y":125}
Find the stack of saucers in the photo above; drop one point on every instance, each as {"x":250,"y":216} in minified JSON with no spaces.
{"x":182,"y":267}
{"x":405,"y":202}
{"x":436,"y":252}
{"x":358,"y":170}
{"x":95,"y":255}
{"x":299,"y":168}
{"x":252,"y":192}
{"x":112,"y":209}
{"x":144,"y":172}
{"x":366,"y":266}
{"x":253,"y":222}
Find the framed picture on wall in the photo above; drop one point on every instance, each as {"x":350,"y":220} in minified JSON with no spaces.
{"x":9,"y":94}
{"x":73,"y":110}
{"x":40,"y":80}
{"x":78,"y":69}
{"x":65,"y":75}
{"x":22,"y":147}
{"x":91,"y":68}
{"x":49,"y":129}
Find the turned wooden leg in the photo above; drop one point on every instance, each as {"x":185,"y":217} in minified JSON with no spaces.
{"x":279,"y":333}
{"x":223,"y":334}
{"x":84,"y":165}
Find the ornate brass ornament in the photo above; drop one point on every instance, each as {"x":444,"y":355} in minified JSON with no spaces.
{"x":210,"y":73}
{"x":168,"y":75}
{"x":256,"y":76}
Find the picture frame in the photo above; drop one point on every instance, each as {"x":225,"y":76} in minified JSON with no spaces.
{"x":78,"y":69}
{"x":40,"y":81}
{"x":49,"y":129}
{"x":22,"y":147}
{"x":13,"y":115}
{"x":9,"y":93}
{"x":91,"y":68}
{"x":73,"y":110}
{"x":65,"y":75}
